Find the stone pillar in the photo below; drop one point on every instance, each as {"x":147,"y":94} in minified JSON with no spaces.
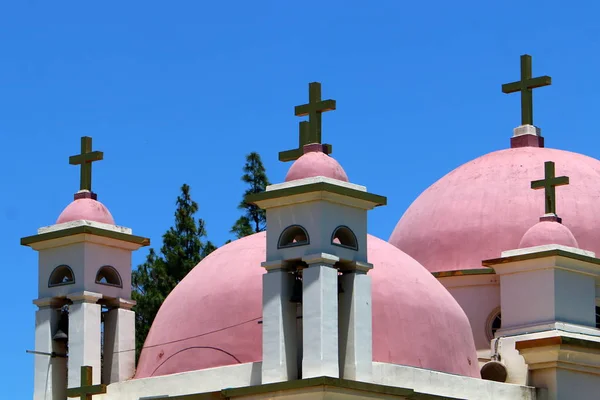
{"x":320,"y":317}
{"x":50,"y":382}
{"x":84,"y":336}
{"x":279,"y":325}
{"x":356,"y":326}
{"x":119,"y":342}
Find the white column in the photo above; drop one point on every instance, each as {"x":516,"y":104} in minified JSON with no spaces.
{"x":356,"y":327}
{"x":320,"y":317}
{"x":119,"y":343}
{"x":50,"y":372}
{"x":279,"y":325}
{"x":84,"y":336}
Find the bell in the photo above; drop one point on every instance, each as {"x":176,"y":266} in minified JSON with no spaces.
{"x":297,"y":290}
{"x":60,"y":336}
{"x":63,"y":326}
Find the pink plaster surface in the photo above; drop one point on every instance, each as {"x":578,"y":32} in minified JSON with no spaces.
{"x":485,"y":207}
{"x":211,"y":318}
{"x":88,"y":209}
{"x":547,"y":232}
{"x":316,"y":163}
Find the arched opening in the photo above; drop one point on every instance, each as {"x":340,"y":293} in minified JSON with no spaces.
{"x":62,"y":275}
{"x":292,"y":236}
{"x":344,"y":237}
{"x":493,"y":323}
{"x":107,"y":275}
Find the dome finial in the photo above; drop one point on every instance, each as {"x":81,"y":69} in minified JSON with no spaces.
{"x":310,"y":131}
{"x":85,"y":160}
{"x":549,"y":184}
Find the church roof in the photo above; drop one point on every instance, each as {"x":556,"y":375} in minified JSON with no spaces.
{"x":485,"y":207}
{"x":415,"y":319}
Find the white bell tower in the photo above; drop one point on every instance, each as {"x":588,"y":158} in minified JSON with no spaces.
{"x":85,"y":268}
{"x":316,"y":255}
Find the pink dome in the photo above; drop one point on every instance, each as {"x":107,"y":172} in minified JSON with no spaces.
{"x":212,"y":317}
{"x":88,"y":209}
{"x":486,"y":205}
{"x":316,"y":163}
{"x":548,"y":232}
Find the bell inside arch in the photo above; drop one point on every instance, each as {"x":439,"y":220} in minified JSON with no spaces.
{"x":61,"y":334}
{"x":297,"y":290}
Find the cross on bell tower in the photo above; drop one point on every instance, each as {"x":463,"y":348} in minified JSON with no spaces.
{"x":549,"y":184}
{"x":310,"y":131}
{"x":85,"y":160}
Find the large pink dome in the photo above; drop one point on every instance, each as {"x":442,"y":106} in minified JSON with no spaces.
{"x":212,"y":317}
{"x":485,"y":207}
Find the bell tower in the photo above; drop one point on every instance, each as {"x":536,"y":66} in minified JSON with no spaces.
{"x":84,"y":292}
{"x":316,"y":255}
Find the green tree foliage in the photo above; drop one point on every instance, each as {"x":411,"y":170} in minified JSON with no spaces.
{"x":183,"y":247}
{"x":254,"y":219}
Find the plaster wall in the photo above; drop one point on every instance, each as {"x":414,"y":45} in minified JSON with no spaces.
{"x":547,"y":295}
{"x":320,"y":219}
{"x":442,"y":384}
{"x":564,"y":384}
{"x":527,"y":298}
{"x":85,"y":259}
{"x":575,"y":300}
{"x":242,"y":375}
{"x":479,"y":297}
{"x":207,"y":380}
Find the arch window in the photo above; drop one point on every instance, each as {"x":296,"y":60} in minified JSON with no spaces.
{"x":62,"y":275}
{"x":108,"y":275}
{"x":494,"y":322}
{"x":293,"y":236}
{"x":344,"y":237}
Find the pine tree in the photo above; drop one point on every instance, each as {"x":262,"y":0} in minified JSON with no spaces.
{"x":254,"y":219}
{"x":182,"y":249}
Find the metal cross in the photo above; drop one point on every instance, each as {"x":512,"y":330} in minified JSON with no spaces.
{"x":549,"y":184}
{"x":85,"y":159}
{"x":310,"y":131}
{"x":86,"y":390}
{"x":525,"y":86}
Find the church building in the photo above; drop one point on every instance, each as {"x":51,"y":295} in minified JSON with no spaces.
{"x":487,"y":289}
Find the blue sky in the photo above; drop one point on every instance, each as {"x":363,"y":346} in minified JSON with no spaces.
{"x":179,"y":92}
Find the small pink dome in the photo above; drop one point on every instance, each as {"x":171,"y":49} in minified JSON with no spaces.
{"x":482,"y":208}
{"x":548,"y":232}
{"x":211,"y":318}
{"x":316,"y":163}
{"x":88,"y":209}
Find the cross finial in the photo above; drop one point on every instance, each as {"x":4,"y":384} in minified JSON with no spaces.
{"x":549,"y":184}
{"x":310,"y":131}
{"x":86,"y":390}
{"x":525,"y":86}
{"x":85,"y":159}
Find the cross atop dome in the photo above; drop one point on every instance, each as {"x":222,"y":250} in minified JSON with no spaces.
{"x":549,"y":184}
{"x":310,"y":131}
{"x":525,"y":86}
{"x":85,"y":160}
